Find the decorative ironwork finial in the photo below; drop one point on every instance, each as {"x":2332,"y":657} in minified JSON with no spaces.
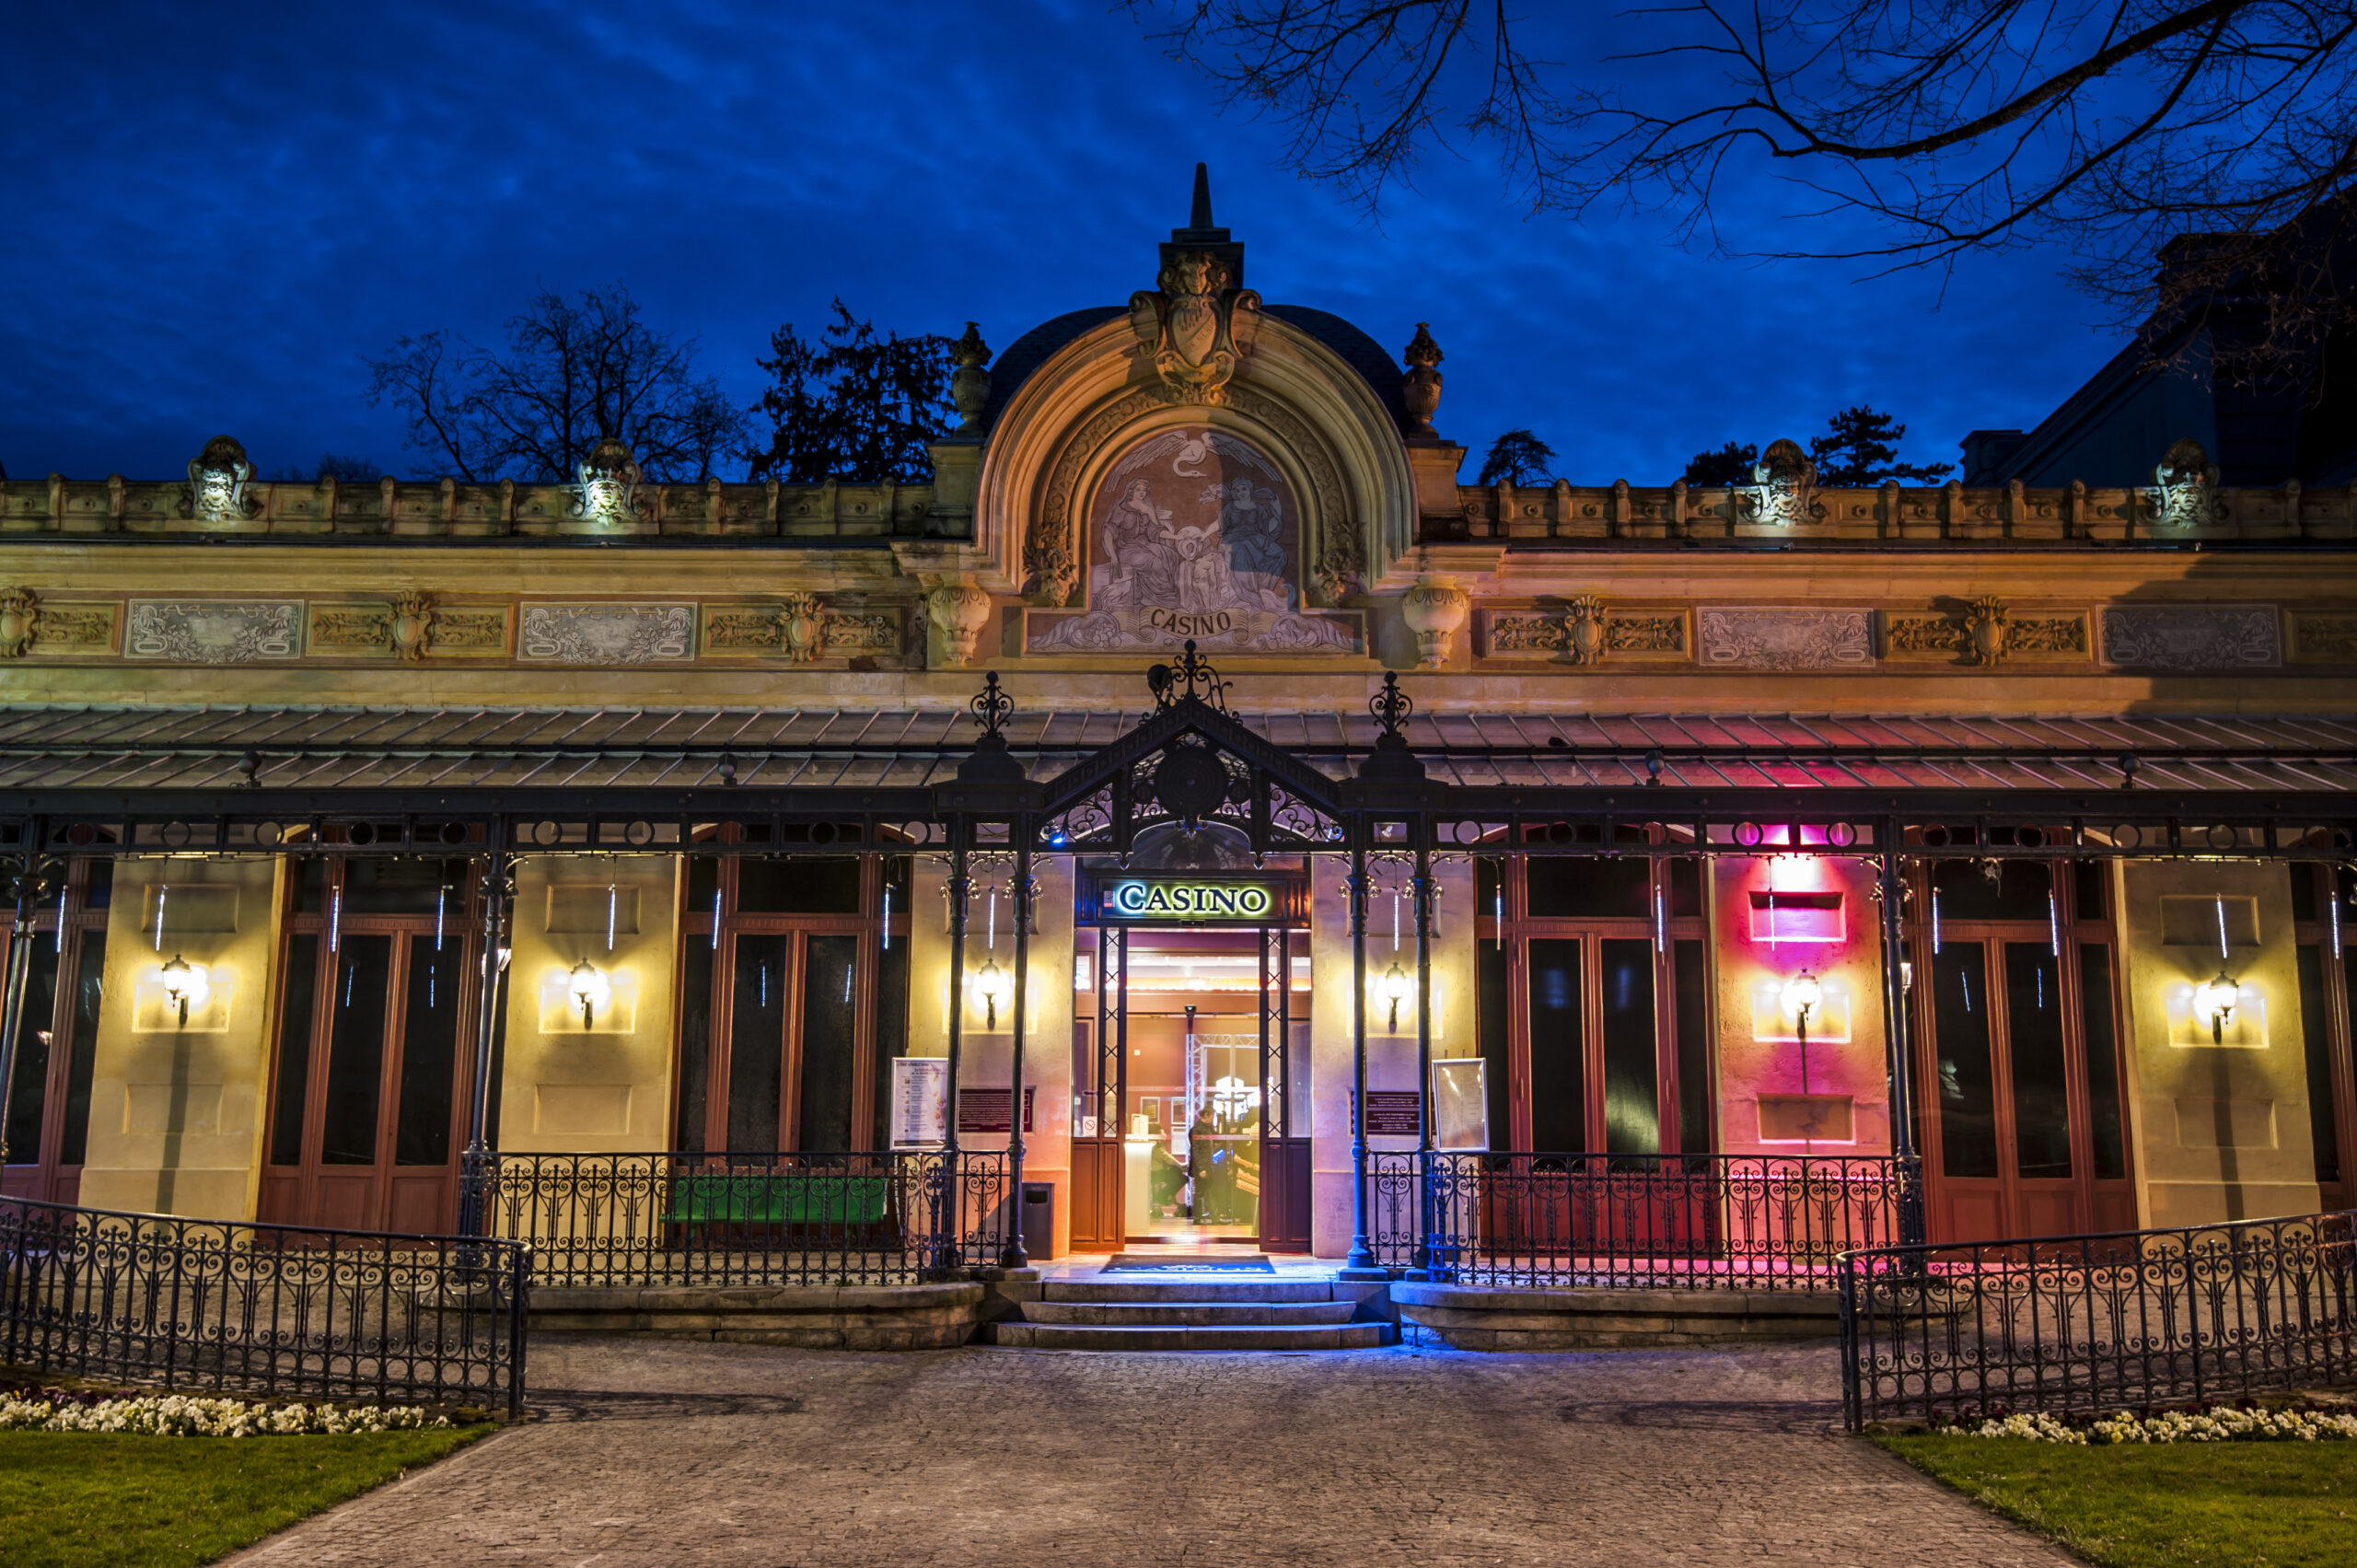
{"x":991,"y":706}
{"x":1392,"y":706}
{"x":1192,"y":677}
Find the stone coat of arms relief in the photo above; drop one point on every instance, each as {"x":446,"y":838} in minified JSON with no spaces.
{"x":1193,"y":534}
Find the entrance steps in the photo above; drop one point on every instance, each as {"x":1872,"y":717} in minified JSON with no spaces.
{"x":1140,"y":1311}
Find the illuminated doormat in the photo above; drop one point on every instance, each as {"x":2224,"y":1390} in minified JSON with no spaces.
{"x":1141,"y":1262}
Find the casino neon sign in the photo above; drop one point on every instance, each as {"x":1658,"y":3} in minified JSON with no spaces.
{"x":1138,"y":898}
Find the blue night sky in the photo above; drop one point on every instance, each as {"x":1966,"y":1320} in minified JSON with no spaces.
{"x":214,"y":210}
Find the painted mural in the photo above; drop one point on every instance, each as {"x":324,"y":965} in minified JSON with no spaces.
{"x":1193,"y":534}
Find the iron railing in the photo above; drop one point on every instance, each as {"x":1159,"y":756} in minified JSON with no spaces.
{"x":2086,"y":1324}
{"x":262,"y":1309}
{"x":1635,"y":1222}
{"x":683,"y":1218}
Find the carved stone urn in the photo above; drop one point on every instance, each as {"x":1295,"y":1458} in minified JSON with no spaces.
{"x":1420,"y":383}
{"x":20,"y":619}
{"x":802,"y":627}
{"x":970,"y":384}
{"x":956,"y":612}
{"x":1434,"y":609}
{"x":412,"y":628}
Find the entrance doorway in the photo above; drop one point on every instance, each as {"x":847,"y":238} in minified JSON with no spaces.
{"x":1191,"y":1093}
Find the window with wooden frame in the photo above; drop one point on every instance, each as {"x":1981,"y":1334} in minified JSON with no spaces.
{"x":1593,"y":1005}
{"x":379,"y":983}
{"x":2323,"y":900}
{"x":57,"y":1037}
{"x":782,"y":984}
{"x":2019,"y":1078}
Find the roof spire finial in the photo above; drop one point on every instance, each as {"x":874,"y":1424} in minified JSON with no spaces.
{"x":1201,"y":216}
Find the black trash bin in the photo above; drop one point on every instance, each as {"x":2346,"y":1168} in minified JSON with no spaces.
{"x":1039,"y":1220}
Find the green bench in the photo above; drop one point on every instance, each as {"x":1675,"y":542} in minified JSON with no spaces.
{"x":779,"y":1200}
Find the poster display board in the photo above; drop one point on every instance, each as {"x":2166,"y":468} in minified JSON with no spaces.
{"x":1460,"y":1104}
{"x":919,"y":1117}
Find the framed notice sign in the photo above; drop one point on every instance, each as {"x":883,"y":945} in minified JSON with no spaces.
{"x":1393,"y":1113}
{"x":1460,"y":1104}
{"x":920,"y":1102}
{"x":987,"y":1110}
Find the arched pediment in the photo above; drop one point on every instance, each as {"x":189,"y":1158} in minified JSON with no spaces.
{"x":1330,"y":447}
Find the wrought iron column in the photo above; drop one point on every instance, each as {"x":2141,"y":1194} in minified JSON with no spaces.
{"x":1420,"y":827}
{"x":951,"y":1249}
{"x":1893,"y":891}
{"x":26,"y":883}
{"x":475,"y":1179}
{"x":1362,"y":1255}
{"x":1012,"y":1256}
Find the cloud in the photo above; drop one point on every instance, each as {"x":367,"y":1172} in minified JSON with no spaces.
{"x":220,"y":211}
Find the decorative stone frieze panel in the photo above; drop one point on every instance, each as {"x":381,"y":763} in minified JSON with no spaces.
{"x":2191,"y":637}
{"x":72,"y":629}
{"x":1587,"y":631}
{"x":214,"y":631}
{"x":2319,"y":637}
{"x":608,"y":634}
{"x":800,"y":628}
{"x":1984,"y":634}
{"x":1786,"y":639}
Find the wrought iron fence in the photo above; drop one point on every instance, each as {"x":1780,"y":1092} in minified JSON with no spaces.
{"x":1635,"y":1222}
{"x":2095,"y":1323}
{"x":680,"y":1218}
{"x":262,"y":1309}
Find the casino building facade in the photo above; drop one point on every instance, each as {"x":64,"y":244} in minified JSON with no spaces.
{"x":1218,"y":794}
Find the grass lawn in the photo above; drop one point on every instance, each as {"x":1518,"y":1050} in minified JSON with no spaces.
{"x":113,"y":1500}
{"x":2183,"y":1506}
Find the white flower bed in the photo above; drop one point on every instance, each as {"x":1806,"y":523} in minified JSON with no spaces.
{"x":2225,"y":1424}
{"x":180,"y":1415}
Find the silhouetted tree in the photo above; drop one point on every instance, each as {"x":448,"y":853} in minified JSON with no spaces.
{"x":1730,"y":464}
{"x":573,"y":373}
{"x":345,"y":469}
{"x":853,"y":405}
{"x":1517,"y":458}
{"x":1860,"y":450}
{"x":2110,"y":129}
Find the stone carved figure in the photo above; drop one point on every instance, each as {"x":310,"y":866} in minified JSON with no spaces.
{"x":1196,"y":325}
{"x":1138,"y":542}
{"x":1419,"y":388}
{"x":2184,"y":487}
{"x":1786,"y":485}
{"x":606,"y":484}
{"x":970,"y":384}
{"x":217,"y":478}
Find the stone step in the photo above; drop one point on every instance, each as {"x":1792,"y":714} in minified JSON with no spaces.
{"x":1189,"y":1313}
{"x":1068,"y":1336}
{"x":1125,"y":1287}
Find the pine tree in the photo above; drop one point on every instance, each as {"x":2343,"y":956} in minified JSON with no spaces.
{"x":1517,"y":458}
{"x":1860,"y":451}
{"x":1730,"y":464}
{"x":853,"y":405}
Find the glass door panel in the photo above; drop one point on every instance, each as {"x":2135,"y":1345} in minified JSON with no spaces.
{"x":36,"y":1030}
{"x":756,"y":1032}
{"x":357,"y":1051}
{"x":1558,"y":1048}
{"x":2039,"y":1060}
{"x":1631,"y":1051}
{"x":1966,"y":1084}
{"x":429,"y":1056}
{"x":828,"y":971}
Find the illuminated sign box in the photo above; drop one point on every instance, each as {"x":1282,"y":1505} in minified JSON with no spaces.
{"x":1193,"y":899}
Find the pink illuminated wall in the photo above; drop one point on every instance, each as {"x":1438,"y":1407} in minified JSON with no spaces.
{"x":1778,"y":916}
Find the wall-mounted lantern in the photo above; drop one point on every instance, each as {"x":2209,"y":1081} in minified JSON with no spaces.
{"x":1396,"y":987}
{"x":1802,"y":995}
{"x":590,"y":989}
{"x":183,"y":983}
{"x":990,"y":981}
{"x":2216,"y":998}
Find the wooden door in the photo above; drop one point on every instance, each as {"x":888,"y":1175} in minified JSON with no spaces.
{"x":369,"y":1104}
{"x":1284,"y":1102}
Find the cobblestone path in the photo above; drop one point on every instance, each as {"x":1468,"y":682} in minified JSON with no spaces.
{"x":665,"y":1454}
